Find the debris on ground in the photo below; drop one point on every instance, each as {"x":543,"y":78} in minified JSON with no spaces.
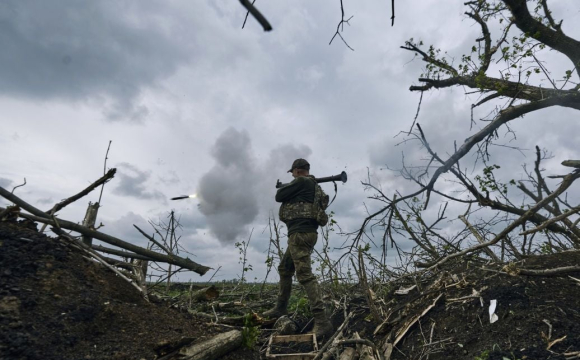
{"x":58,"y":303}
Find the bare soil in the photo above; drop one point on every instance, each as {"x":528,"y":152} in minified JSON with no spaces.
{"x":57,"y":304}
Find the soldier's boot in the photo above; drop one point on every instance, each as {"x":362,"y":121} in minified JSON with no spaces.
{"x":322,"y":326}
{"x":281,"y":307}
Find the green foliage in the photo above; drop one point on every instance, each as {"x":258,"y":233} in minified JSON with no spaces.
{"x":518,"y":52}
{"x":483,"y":356}
{"x":365,"y":249}
{"x":242,"y":249}
{"x":487,"y":182}
{"x":325,"y":266}
{"x":546,"y":248}
{"x":300,"y":305}
{"x":250,"y":332}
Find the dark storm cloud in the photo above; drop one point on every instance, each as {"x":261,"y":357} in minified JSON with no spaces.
{"x":133,"y":183}
{"x":77,"y":50}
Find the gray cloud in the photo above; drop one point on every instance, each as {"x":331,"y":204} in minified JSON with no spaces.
{"x":102,"y":51}
{"x":195,"y":72}
{"x":5,"y":183}
{"x":46,"y":201}
{"x":169,"y":178}
{"x":123,"y":229}
{"x":132,"y":183}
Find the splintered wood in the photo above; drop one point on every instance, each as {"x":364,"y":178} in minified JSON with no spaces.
{"x":401,"y":333}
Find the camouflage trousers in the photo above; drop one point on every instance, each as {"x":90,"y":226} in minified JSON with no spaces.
{"x":297,"y":260}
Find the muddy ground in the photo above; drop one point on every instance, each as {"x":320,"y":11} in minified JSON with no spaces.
{"x":57,"y":304}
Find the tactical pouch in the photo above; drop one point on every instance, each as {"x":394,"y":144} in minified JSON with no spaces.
{"x":302,"y":210}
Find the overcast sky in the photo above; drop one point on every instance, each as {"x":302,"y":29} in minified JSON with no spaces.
{"x":194,"y":104}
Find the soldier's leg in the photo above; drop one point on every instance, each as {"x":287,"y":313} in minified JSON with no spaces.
{"x":286,"y":270}
{"x":301,"y":246}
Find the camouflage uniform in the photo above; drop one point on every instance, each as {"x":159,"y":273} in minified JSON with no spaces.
{"x":297,"y":259}
{"x":302,"y":236}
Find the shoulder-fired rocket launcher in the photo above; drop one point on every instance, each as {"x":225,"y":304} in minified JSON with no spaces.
{"x":340,"y":177}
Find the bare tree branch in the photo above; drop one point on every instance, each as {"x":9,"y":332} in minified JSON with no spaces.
{"x":256,"y":14}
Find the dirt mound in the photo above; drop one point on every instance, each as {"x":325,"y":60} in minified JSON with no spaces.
{"x":57,"y":304}
{"x":538,"y":317}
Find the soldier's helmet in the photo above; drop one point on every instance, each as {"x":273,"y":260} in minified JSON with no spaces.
{"x":300,"y":164}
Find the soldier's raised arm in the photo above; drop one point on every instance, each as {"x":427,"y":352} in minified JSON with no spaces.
{"x":289,"y":191}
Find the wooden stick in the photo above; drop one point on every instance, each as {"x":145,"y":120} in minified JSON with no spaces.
{"x":108,"y":176}
{"x":572,"y":211}
{"x":479,"y":238}
{"x":330,"y":340}
{"x":365,"y":351}
{"x":367,"y":289}
{"x":401,"y":333}
{"x":257,"y":15}
{"x":121,"y":253}
{"x":153,"y":240}
{"x":549,"y":272}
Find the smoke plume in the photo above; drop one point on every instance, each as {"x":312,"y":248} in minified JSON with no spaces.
{"x":227,"y":191}
{"x":240,"y":186}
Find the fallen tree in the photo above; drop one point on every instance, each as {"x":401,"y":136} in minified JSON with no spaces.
{"x":42,"y":217}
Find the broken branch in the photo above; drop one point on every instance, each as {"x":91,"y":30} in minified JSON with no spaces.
{"x":42,"y":217}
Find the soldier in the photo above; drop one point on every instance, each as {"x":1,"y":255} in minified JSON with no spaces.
{"x":300,"y":210}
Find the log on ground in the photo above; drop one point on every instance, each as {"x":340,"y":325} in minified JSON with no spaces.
{"x":205,"y":294}
{"x":211,"y":349}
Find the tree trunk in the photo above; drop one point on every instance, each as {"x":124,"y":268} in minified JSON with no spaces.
{"x":89,"y":221}
{"x":140,"y":271}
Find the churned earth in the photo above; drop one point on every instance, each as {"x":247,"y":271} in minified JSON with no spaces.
{"x":538,"y":316}
{"x":57,"y":304}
